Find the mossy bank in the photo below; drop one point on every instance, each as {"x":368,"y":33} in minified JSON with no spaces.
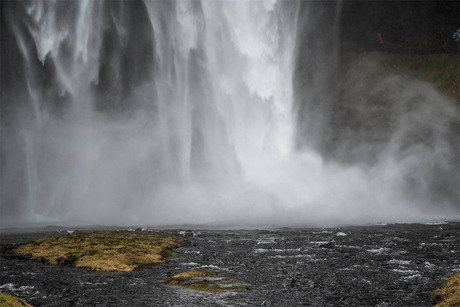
{"x":8,"y":300}
{"x":209,"y":281}
{"x":120,"y":251}
{"x":448,"y":294}
{"x":442,"y":70}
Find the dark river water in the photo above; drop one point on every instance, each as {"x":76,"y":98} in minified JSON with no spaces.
{"x":381,"y":265}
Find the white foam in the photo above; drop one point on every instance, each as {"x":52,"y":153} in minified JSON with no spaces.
{"x":189,"y":264}
{"x":261,"y":250}
{"x":382,"y":250}
{"x":11,"y":287}
{"x":214,"y":267}
{"x":429,"y":265}
{"x":7,"y":286}
{"x":412,"y":276}
{"x":400,"y":262}
{"x":405,"y":271}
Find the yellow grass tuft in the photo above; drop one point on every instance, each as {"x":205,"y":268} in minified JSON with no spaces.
{"x":190,"y":274}
{"x":204,"y":281}
{"x":120,"y":251}
{"x":448,"y":294}
{"x":12,"y":301}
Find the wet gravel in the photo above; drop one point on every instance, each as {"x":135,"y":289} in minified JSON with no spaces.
{"x":381,"y":265}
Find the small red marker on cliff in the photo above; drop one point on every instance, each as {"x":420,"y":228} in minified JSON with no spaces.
{"x":380,"y":38}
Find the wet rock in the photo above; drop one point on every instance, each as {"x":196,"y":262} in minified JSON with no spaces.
{"x":67,"y":261}
{"x":11,"y":300}
{"x":327,"y":245}
{"x":42,"y":259}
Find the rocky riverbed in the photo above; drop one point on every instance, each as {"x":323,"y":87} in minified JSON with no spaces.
{"x":380,"y":265}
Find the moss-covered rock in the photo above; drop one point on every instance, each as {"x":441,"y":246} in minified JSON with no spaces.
{"x":205,"y":281}
{"x":103,"y":251}
{"x":442,"y":70}
{"x":448,"y":294}
{"x":12,"y":301}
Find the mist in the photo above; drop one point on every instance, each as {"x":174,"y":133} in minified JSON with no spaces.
{"x":203,"y":112}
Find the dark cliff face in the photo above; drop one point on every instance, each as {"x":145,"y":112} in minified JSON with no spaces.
{"x":354,"y":115}
{"x":126,"y":58}
{"x":40,"y":86}
{"x":420,"y":26}
{"x":21,"y":68}
{"x":355,"y":112}
{"x":327,"y":29}
{"x":127,"y":54}
{"x":315,"y":70}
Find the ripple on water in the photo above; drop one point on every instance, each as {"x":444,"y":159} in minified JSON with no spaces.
{"x":11,"y":287}
{"x":189,"y":264}
{"x":348,"y":246}
{"x":193,"y":252}
{"x":318,"y":243}
{"x":404,"y":272}
{"x":214,"y":267}
{"x":261,"y":250}
{"x":307,"y":256}
{"x":270,"y":240}
{"x":7,"y":286}
{"x":400,"y":262}
{"x":429,"y":265}
{"x":324,"y":231}
{"x":276,"y":250}
{"x":380,"y":251}
{"x":410,"y":277}
{"x":137,"y":282}
{"x":87,"y":283}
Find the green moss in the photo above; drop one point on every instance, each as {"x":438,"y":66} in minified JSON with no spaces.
{"x":11,"y":301}
{"x":92,"y":252}
{"x":74,"y":254}
{"x":103,"y":251}
{"x":442,"y":70}
{"x":204,"y":281}
{"x":448,"y":294}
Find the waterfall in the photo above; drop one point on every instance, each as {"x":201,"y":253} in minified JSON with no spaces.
{"x":166,"y":112}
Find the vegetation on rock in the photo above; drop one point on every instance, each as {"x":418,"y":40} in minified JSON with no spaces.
{"x":204,"y":281}
{"x":11,"y":301}
{"x":448,"y":294}
{"x":442,"y":70}
{"x":120,"y":251}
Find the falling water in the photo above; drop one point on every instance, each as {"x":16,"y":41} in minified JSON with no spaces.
{"x":166,"y":112}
